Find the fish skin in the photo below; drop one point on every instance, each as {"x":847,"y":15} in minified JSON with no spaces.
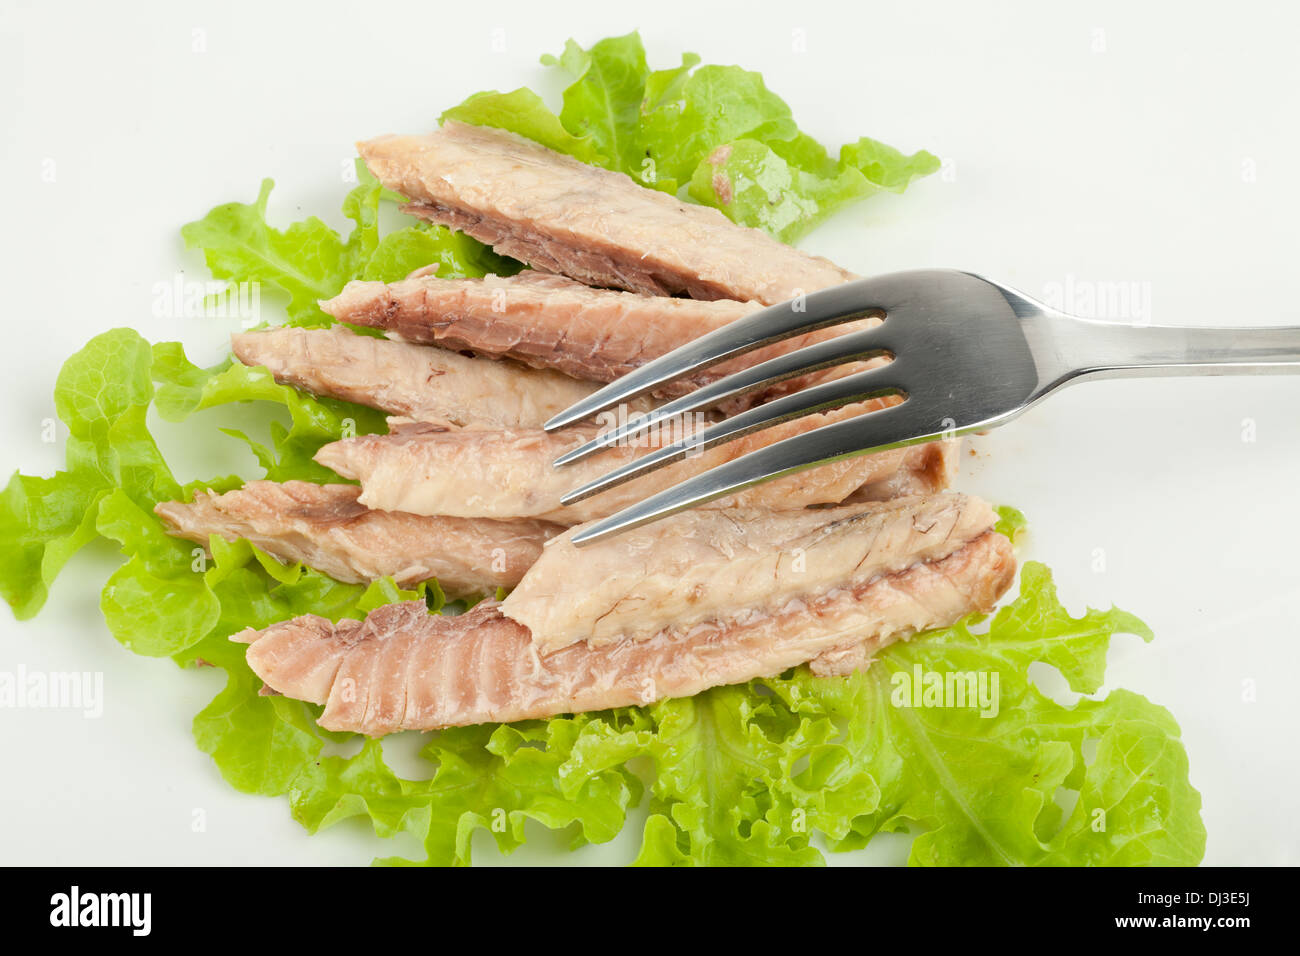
{"x":600,"y":227}
{"x":326,"y":528}
{"x":434,"y":385}
{"x":484,"y":667}
{"x":722,"y":564}
{"x":508,"y":473}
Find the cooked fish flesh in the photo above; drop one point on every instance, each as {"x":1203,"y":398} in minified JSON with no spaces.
{"x":326,"y":528}
{"x":550,"y":322}
{"x":542,"y":320}
{"x":405,"y":669}
{"x":508,"y":473}
{"x":434,"y":385}
{"x":724,"y":564}
{"x":600,"y":227}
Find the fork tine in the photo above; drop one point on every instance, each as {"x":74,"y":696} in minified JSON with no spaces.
{"x":853,"y":346}
{"x":838,"y":304}
{"x":833,"y":394}
{"x":889,"y":428}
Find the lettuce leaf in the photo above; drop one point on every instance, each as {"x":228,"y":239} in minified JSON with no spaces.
{"x":102,"y":396}
{"x":603,"y":103}
{"x":982,"y":787}
{"x":756,"y":184}
{"x":1011,"y":522}
{"x":718,"y":129}
{"x":43,"y":523}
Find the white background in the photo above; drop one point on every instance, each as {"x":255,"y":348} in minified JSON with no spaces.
{"x":1109,"y":142}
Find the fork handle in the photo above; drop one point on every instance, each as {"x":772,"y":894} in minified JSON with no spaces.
{"x":1110,"y":350}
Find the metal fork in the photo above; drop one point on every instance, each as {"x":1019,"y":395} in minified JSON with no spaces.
{"x":968,"y":354}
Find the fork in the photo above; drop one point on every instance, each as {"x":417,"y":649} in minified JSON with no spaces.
{"x":966,"y":354}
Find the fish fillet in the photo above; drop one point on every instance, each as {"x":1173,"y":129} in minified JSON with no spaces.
{"x":723,"y":564}
{"x":600,"y":227}
{"x":544,"y":321}
{"x":426,"y":384}
{"x":550,"y":322}
{"x":405,"y":669}
{"x":326,"y":528}
{"x":508,"y":473}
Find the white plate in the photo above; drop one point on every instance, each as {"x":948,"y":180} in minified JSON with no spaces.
{"x":1148,"y":147}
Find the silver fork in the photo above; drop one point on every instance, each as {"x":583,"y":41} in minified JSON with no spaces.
{"x":968,"y":354}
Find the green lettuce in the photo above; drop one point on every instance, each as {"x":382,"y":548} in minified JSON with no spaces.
{"x":1011,"y":522}
{"x":102,"y":395}
{"x":776,"y":771}
{"x":716,"y":129}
